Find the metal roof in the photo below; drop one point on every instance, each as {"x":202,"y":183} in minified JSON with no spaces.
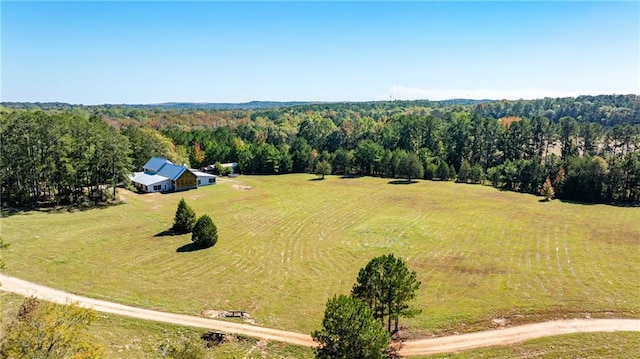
{"x":171,"y":171}
{"x":148,"y":179}
{"x":155,"y":164}
{"x":202,"y":174}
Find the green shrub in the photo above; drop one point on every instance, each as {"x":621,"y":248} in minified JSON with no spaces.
{"x":205,"y":233}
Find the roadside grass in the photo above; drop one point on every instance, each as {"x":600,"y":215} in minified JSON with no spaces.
{"x":287,"y":244}
{"x":125,"y":338}
{"x":584,"y":345}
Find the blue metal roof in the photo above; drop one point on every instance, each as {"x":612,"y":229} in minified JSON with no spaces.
{"x":172,"y":171}
{"x":155,"y":164}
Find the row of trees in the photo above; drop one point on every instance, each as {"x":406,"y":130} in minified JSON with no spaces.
{"x":511,"y":153}
{"x":60,"y":159}
{"x":353,"y":326}
{"x":404,"y":139}
{"x":608,"y":110}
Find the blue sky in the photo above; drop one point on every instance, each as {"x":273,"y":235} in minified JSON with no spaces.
{"x":152,"y":52}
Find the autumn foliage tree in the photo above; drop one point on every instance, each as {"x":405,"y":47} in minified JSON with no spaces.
{"x":547,"y":190}
{"x":197,"y":155}
{"x":47,"y":330}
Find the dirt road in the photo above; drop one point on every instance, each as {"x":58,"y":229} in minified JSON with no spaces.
{"x":513,"y":335}
{"x":19,"y":286}
{"x":448,"y":344}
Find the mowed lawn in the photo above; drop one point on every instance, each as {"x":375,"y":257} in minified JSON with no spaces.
{"x":289,"y":243}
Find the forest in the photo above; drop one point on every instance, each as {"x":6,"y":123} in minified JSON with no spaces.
{"x":587,"y":148}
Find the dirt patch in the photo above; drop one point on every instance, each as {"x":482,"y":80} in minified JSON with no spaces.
{"x":241,"y":187}
{"x":500,"y":322}
{"x":210,"y":313}
{"x":220,"y":314}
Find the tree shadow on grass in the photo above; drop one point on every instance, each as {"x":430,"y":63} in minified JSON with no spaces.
{"x":350,"y":176}
{"x":55,"y":209}
{"x":402,"y":182}
{"x":189,"y":247}
{"x":168,"y":233}
{"x":316,"y":179}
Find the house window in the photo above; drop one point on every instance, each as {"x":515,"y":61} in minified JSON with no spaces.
{"x":157,"y":188}
{"x":212,"y":180}
{"x":198,"y":182}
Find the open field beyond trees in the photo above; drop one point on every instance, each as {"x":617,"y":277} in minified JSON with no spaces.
{"x":286,"y":243}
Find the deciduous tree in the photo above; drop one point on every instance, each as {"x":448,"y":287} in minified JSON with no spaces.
{"x":323,"y":168}
{"x":46,"y":330}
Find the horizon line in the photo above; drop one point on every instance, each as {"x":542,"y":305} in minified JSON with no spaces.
{"x":309,"y":101}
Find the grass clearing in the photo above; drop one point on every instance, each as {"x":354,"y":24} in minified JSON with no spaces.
{"x":287,"y":244}
{"x":571,"y":346}
{"x":125,"y":338}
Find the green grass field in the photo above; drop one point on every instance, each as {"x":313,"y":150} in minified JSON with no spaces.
{"x":125,"y":338}
{"x":289,"y":243}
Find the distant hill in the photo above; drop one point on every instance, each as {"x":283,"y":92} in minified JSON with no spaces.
{"x":607,"y":110}
{"x":226,"y":105}
{"x":252,"y":105}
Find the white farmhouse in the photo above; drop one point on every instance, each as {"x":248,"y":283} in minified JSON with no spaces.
{"x":160,"y":175}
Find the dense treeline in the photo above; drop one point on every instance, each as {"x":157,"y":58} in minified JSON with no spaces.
{"x":591,"y":153}
{"x":607,"y":110}
{"x":60,"y":159}
{"x":584,"y":160}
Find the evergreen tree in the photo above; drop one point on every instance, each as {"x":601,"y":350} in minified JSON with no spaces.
{"x":386,"y":285}
{"x":476,"y":174}
{"x":185,"y":218}
{"x":443,"y":171}
{"x":349,"y":331}
{"x":410,"y":167}
{"x":465,"y":172}
{"x":205,"y":233}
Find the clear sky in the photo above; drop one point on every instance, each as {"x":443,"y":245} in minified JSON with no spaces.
{"x":152,"y":52}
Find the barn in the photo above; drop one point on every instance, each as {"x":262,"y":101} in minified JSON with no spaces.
{"x":160,"y":175}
